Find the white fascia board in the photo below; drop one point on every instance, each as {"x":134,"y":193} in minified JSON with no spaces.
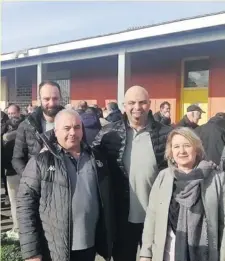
{"x":164,"y":29}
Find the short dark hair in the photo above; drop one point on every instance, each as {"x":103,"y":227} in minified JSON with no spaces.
{"x":113,"y":106}
{"x":52,"y":83}
{"x":164,"y":103}
{"x":220,"y":115}
{"x":82,"y":105}
{"x":15,"y":105}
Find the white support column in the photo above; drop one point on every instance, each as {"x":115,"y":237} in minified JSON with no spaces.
{"x":124,"y":74}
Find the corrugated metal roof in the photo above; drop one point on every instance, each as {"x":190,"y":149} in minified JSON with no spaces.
{"x":126,"y":30}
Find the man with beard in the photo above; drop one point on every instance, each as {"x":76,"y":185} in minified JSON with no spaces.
{"x":29,"y":140}
{"x":134,"y":147}
{"x":8,"y":142}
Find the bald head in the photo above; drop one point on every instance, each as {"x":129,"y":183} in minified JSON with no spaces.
{"x":137,"y":105}
{"x":136,"y":92}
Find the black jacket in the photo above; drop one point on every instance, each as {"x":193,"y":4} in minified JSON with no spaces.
{"x":114,"y":116}
{"x":9,"y":137}
{"x":164,"y":120}
{"x":4,"y":118}
{"x":28,"y":140}
{"x":222,"y":161}
{"x":44,"y":211}
{"x":185,"y":122}
{"x":111,"y":140}
{"x":212,"y":135}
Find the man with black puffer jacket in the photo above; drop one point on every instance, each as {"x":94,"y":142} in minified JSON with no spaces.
{"x":28,"y":139}
{"x":212,"y":135}
{"x":134,"y":147}
{"x":65,"y":205}
{"x":13,"y":179}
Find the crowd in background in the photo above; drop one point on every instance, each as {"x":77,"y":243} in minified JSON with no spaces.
{"x":158,"y":184}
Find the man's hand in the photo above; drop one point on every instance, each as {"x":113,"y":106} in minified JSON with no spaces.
{"x":167,"y":114}
{"x":35,"y":258}
{"x":145,"y":259}
{"x":214,"y":165}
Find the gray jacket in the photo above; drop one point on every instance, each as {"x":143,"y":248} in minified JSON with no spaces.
{"x":155,"y":227}
{"x":222,"y":162}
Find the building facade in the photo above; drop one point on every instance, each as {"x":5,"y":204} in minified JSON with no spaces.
{"x":182,"y":62}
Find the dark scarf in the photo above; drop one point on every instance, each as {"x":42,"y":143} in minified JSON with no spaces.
{"x":187,"y":217}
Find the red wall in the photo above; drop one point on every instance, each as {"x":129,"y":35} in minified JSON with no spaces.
{"x":97,"y":86}
{"x":163,"y":84}
{"x":95,"y":89}
{"x":95,"y":81}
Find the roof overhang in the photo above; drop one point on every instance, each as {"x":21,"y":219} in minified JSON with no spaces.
{"x":192,"y":31}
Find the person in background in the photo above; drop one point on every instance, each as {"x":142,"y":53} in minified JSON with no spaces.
{"x":82,"y":107}
{"x":4,"y":118}
{"x":98,"y":110}
{"x":114,"y":114}
{"x":185,"y":215}
{"x":192,"y":117}
{"x":134,"y":147}
{"x":103,"y":115}
{"x":212,"y":135}
{"x":163,"y":115}
{"x":30,"y":109}
{"x":69,"y":106}
{"x":13,"y":179}
{"x":65,"y":207}
{"x":28,"y":139}
{"x":91,"y":124}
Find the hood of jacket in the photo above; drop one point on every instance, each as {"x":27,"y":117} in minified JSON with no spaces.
{"x":220,"y":122}
{"x":114,"y":116}
{"x":90,"y":120}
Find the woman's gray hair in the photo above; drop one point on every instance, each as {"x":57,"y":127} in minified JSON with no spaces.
{"x":191,"y":136}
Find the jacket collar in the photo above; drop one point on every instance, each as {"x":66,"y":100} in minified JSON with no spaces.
{"x":34,"y":119}
{"x":151,"y":123}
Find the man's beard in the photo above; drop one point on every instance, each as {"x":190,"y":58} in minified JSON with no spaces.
{"x":51,"y":112}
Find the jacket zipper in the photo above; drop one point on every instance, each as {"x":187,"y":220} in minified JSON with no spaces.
{"x":69,"y":211}
{"x":100,"y":196}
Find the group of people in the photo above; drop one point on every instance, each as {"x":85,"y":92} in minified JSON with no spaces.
{"x":136,"y":180}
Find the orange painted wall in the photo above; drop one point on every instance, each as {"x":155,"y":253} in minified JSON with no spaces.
{"x":217,"y":86}
{"x":163,"y":84}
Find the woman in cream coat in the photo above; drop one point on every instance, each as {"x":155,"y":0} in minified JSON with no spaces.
{"x":185,"y":216}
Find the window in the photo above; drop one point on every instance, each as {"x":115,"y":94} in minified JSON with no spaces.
{"x":196,"y":73}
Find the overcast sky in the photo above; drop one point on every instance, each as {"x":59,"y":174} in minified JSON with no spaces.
{"x":32,"y":24}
